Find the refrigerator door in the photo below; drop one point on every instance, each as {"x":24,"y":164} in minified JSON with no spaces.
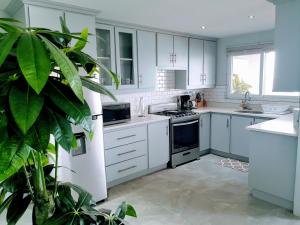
{"x":88,"y":161}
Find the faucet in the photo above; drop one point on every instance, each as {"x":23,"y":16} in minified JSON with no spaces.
{"x":245,"y":103}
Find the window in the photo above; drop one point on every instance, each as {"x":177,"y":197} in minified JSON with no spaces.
{"x":253,"y":70}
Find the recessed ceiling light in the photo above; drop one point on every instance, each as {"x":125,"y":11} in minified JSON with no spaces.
{"x":203,"y":27}
{"x":251,"y":17}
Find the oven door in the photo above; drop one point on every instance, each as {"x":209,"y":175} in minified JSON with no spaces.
{"x":185,"y":136}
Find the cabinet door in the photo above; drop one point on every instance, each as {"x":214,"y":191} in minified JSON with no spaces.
{"x":204,"y":132}
{"x":240,"y":141}
{"x":44,"y":17}
{"x":77,"y":22}
{"x":165,"y":50}
{"x":146,"y":59}
{"x":210,"y":58}
{"x":220,"y":132}
{"x":126,"y":57}
{"x":181,"y":51}
{"x":106,"y":52}
{"x":158,"y":143}
{"x":195,"y":63}
{"x":287,"y":45}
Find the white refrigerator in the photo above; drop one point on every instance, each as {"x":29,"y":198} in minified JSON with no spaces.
{"x":89,"y":167}
{"x":86,"y":166}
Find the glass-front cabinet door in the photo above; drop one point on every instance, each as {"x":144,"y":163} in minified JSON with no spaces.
{"x":126,"y":55}
{"x":106,"y":52}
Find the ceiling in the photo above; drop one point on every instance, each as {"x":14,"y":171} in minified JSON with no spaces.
{"x":220,"y":17}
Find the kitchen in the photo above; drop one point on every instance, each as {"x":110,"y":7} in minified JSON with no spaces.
{"x":190,"y":98}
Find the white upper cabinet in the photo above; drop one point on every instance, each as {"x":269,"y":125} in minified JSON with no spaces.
{"x":77,"y":22}
{"x":126,"y":57}
{"x":44,"y":17}
{"x":172,"y":51}
{"x":210,"y":63}
{"x":165,"y":50}
{"x":180,"y":55}
{"x":202,"y":64}
{"x":146,"y":59}
{"x":196,"y":49}
{"x":287,"y":46}
{"x":106,"y":54}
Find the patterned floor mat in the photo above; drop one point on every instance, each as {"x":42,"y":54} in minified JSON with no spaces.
{"x":234,"y":164}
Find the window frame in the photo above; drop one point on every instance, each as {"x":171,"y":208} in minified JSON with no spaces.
{"x":259,"y":49}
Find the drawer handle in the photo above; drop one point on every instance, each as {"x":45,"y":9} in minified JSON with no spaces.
{"x":187,"y":153}
{"x":129,"y":136}
{"x":128,"y":168}
{"x":124,"y":153}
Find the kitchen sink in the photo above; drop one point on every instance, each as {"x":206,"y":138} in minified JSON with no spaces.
{"x":249,"y":111}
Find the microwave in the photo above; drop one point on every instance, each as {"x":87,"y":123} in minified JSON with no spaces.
{"x":114,"y":113}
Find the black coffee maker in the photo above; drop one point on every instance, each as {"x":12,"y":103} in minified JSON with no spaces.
{"x":184,"y":102}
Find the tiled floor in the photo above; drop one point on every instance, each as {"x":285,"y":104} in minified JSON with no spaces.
{"x":198,"y":193}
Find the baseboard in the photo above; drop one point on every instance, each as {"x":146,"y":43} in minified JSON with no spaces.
{"x":229,"y":155}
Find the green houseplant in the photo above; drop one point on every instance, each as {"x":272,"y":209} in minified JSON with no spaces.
{"x":41,"y":95}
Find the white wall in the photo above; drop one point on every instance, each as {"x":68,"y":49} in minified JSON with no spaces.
{"x":237,"y":41}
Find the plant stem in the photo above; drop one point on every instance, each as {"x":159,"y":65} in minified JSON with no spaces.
{"x":28,"y":183}
{"x":56,"y":168}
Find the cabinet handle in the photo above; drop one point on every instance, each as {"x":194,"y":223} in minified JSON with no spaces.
{"x":140,"y":78}
{"x":227,"y":124}
{"x":175,"y":58}
{"x":187,"y":153}
{"x":128,"y":168}
{"x":167,"y":130}
{"x":171,"y":58}
{"x":125,"y":153}
{"x":201,"y":123}
{"x":129,"y":136}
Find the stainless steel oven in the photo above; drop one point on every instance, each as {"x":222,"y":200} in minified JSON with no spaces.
{"x":185,"y":136}
{"x":184,"y":142}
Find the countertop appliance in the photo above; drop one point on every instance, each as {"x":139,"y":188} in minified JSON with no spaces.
{"x":184,"y":102}
{"x":87,"y":161}
{"x":114,"y":113}
{"x":184,"y":130}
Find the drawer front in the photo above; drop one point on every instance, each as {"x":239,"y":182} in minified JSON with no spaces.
{"x":126,"y":168}
{"x":126,"y":152}
{"x":125,"y":136}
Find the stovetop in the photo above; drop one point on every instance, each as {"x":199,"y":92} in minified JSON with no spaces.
{"x":179,"y":115}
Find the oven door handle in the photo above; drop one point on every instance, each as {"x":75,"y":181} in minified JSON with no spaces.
{"x":187,"y":123}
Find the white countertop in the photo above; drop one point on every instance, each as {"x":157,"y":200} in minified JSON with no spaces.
{"x":135,"y":120}
{"x":232,"y":111}
{"x":280,"y":124}
{"x":284,"y":125}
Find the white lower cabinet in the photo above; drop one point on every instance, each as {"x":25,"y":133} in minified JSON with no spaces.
{"x":158,"y":143}
{"x":239,"y":138}
{"x":220,"y":132}
{"x":204,"y":132}
{"x":134,"y":151}
{"x":126,"y":168}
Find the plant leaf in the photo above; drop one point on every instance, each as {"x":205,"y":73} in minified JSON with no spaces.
{"x":94,"y":86}
{"x":62,"y":131}
{"x":68,"y":69}
{"x":84,"y":199}
{"x":58,"y":220}
{"x":17,"y":208}
{"x":25,"y":106}
{"x":131,"y":211}
{"x":34,"y":61}
{"x":65,"y":100}
{"x":39,"y":134}
{"x":6,"y":203}
{"x":13,"y":155}
{"x":6,"y":43}
{"x":65,"y":29}
{"x":81,"y":43}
